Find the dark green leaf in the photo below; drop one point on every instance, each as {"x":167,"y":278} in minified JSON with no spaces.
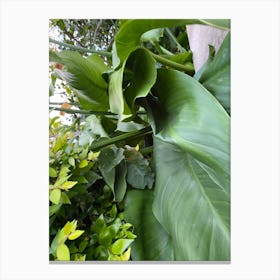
{"x":215,"y":74}
{"x":139,"y":173}
{"x":191,"y":150}
{"x":143,"y":67}
{"x":120,"y":185}
{"x":83,"y":246}
{"x":64,"y":198}
{"x":108,"y":159}
{"x":152,"y":242}
{"x":99,"y":224}
{"x":105,"y":237}
{"x":54,"y":208}
{"x":133,"y":29}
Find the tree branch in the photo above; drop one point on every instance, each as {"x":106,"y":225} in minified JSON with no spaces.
{"x":107,"y":54}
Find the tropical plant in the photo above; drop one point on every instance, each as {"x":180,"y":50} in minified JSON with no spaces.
{"x":150,"y":166}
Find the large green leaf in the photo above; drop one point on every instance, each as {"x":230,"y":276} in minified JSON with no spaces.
{"x":191,"y":150}
{"x":152,"y":242}
{"x":85,"y":76}
{"x":142,"y":68}
{"x":215,"y":74}
{"x":129,"y":36}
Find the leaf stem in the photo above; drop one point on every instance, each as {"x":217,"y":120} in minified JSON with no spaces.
{"x":82,"y":112}
{"x":60,"y":103}
{"x":107,"y":54}
{"x":146,"y":150}
{"x":125,"y":136}
{"x":173,"y":38}
{"x":189,"y":69}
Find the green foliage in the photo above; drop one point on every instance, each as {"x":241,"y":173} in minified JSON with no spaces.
{"x":133,"y":195}
{"x":215,"y":74}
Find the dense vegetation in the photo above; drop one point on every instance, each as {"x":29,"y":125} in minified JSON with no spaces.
{"x":142,"y":172}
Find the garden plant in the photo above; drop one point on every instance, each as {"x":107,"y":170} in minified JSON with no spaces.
{"x":142,"y":170}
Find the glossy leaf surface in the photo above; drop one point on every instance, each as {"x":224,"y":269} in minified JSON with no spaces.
{"x":133,"y":29}
{"x":191,"y":150}
{"x":152,"y":242}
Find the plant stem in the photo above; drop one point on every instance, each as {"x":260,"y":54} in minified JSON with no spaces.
{"x":189,"y":69}
{"x":122,"y":137}
{"x":173,"y":38}
{"x":60,"y":103}
{"x":107,"y":54}
{"x":83,"y":112}
{"x":147,"y":150}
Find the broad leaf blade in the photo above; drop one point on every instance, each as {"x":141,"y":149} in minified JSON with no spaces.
{"x":191,"y":150}
{"x":152,"y":241}
{"x":143,"y":67}
{"x":85,"y":76}
{"x":133,"y":29}
{"x":215,"y":74}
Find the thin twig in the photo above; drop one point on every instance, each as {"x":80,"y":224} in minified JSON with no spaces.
{"x":107,"y":54}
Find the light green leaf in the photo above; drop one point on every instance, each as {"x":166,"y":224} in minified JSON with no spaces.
{"x":120,"y":246}
{"x":83,"y":163}
{"x":75,"y":234}
{"x":93,"y":156}
{"x":52,"y":172}
{"x":215,"y":74}
{"x":71,"y":161}
{"x":192,"y":154}
{"x":63,"y":253}
{"x":152,"y":35}
{"x":68,"y":185}
{"x":60,"y":181}
{"x":64,"y":171}
{"x":84,"y":75}
{"x":55,"y":196}
{"x":218,"y":23}
{"x":118,"y":104}
{"x":182,"y":58}
{"x":126,"y":255}
{"x":68,"y":228}
{"x":152,"y":242}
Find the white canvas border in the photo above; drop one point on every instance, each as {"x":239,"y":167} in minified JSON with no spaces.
{"x":254,"y":134}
